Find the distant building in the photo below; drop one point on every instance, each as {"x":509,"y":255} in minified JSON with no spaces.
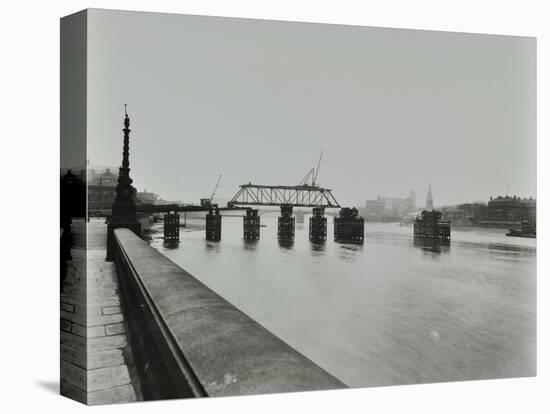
{"x":102,"y":182}
{"x":374,"y":209}
{"x":500,"y":211}
{"x":146,"y":197}
{"x":105,"y":178}
{"x":102,"y":174}
{"x":101,"y":190}
{"x":510,"y":210}
{"x":455,"y":216}
{"x":530,"y":205}
{"x":389,"y":208}
{"x":473,"y":212}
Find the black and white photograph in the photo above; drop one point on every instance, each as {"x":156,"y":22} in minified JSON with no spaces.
{"x":268,"y":206}
{"x":274,"y":206}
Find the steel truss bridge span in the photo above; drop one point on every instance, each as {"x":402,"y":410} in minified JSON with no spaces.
{"x":178,"y":208}
{"x":278,"y":195}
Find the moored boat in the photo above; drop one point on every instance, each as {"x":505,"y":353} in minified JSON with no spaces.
{"x":528,"y":229}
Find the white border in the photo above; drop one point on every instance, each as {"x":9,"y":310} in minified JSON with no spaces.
{"x":30,"y":158}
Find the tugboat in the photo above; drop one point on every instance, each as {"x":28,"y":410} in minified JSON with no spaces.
{"x":429,"y":225}
{"x":528,"y":229}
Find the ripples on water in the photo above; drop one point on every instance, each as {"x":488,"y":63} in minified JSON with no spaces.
{"x":391,"y":311}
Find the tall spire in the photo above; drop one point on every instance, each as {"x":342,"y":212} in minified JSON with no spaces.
{"x":429,"y":199}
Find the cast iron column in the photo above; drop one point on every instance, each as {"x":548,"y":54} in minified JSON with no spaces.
{"x":124,"y":207}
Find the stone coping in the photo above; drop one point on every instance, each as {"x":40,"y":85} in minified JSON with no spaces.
{"x":219,"y":349}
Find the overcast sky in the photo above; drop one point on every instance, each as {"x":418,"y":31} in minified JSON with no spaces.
{"x":256,"y":100}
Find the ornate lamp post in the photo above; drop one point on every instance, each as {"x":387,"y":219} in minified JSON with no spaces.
{"x":124,"y":207}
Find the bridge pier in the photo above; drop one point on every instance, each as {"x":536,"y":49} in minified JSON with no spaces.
{"x":286,"y":223}
{"x":251,"y":225}
{"x":349,"y":227}
{"x":171,"y":227}
{"x":213,"y":223}
{"x":318,"y":225}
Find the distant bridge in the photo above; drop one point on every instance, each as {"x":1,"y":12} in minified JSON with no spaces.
{"x":277,"y":195}
{"x":166,"y":208}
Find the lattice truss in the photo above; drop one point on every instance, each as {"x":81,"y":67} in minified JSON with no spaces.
{"x":277,"y":195}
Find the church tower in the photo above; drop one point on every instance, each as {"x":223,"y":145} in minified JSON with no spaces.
{"x":429,"y":199}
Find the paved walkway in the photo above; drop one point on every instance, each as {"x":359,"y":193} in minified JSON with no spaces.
{"x":92,"y":321}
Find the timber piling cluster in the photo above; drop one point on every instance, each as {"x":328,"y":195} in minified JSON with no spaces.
{"x":251,"y":225}
{"x":318,"y":225}
{"x":349,"y":226}
{"x":171,"y":227}
{"x":286,"y":224}
{"x":430,"y":226}
{"x":213,"y":223}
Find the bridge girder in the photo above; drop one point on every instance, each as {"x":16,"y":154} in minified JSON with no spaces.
{"x":277,"y":195}
{"x":178,"y":208}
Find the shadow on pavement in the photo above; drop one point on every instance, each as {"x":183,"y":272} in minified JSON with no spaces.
{"x":51,"y":386}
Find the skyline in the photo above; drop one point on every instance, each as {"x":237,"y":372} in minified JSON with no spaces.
{"x":420,"y":200}
{"x":393,"y":110}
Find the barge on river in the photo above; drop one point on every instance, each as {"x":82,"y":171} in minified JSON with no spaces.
{"x":528,"y":229}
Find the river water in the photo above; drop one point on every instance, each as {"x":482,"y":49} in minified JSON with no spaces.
{"x":387,"y":312}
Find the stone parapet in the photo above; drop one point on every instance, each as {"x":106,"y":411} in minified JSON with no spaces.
{"x":196,"y":341}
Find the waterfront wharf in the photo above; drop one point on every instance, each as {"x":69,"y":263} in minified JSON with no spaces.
{"x":191,"y":342}
{"x":182,"y":339}
{"x":141,"y":328}
{"x":97,"y":365}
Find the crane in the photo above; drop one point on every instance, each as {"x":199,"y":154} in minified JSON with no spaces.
{"x":313,"y":173}
{"x":208,"y":201}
